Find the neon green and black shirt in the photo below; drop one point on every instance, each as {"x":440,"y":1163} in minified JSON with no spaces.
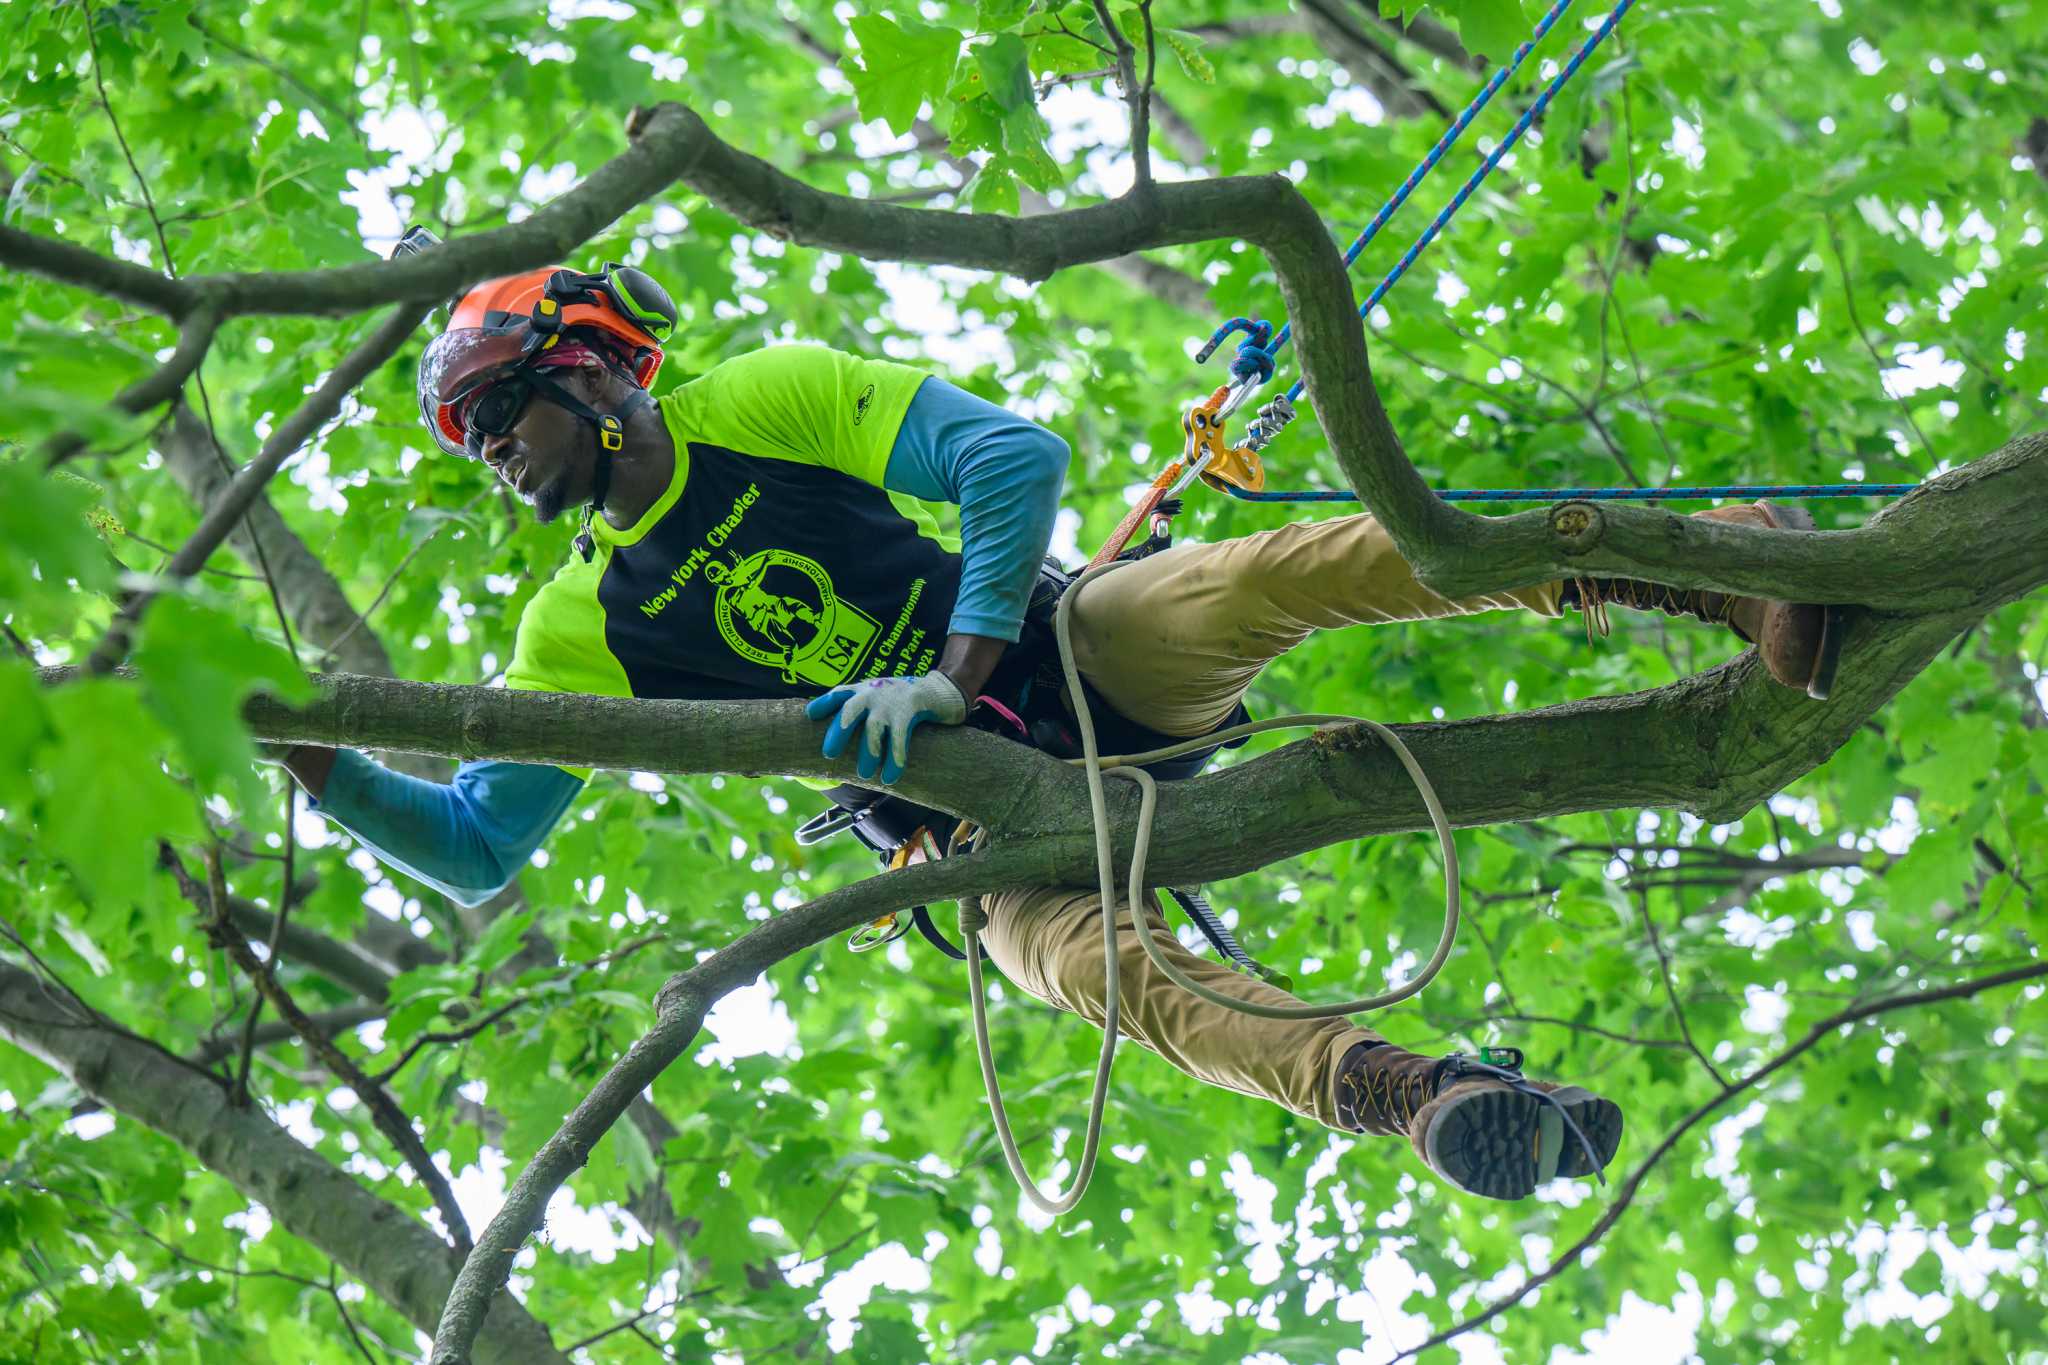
{"x":774,"y":565}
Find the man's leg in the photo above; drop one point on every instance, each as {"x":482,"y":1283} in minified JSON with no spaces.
{"x":1048,"y":941}
{"x":1487,"y":1135}
{"x":1173,"y":641}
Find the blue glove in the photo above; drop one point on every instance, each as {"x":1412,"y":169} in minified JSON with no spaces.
{"x":888,"y":709}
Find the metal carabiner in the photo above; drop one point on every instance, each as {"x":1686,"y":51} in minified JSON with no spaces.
{"x":1209,"y":456}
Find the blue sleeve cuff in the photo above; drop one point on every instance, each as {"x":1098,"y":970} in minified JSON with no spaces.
{"x":466,"y":839}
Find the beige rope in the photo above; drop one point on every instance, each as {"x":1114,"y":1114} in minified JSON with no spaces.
{"x":1126,"y":766}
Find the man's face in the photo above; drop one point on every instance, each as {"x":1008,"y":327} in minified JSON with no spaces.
{"x":549,"y":458}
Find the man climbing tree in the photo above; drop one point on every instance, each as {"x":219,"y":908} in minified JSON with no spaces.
{"x":262,"y":1097}
{"x":810,"y":463}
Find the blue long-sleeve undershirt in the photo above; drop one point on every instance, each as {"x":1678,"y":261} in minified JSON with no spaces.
{"x":469,"y":837}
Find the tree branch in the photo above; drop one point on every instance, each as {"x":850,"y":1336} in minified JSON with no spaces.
{"x":211,"y":901}
{"x":195,"y":337}
{"x":680,"y":1011}
{"x":1671,"y":991}
{"x":1814,"y":1037}
{"x":1137,"y":97}
{"x":285,"y":441}
{"x":391,"y":1254}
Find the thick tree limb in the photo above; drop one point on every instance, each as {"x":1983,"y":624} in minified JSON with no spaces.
{"x":395,"y":1257}
{"x":1715,"y":744}
{"x":1455,"y":552}
{"x":1816,"y":1035}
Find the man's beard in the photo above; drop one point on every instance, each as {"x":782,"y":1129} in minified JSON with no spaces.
{"x":551,"y":498}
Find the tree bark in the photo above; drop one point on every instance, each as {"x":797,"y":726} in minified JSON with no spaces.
{"x":376,"y":1242}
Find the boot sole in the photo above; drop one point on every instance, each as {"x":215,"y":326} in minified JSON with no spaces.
{"x":1502,"y":1143}
{"x":1829,"y":657}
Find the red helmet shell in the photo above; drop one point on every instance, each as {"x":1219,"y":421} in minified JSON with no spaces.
{"x":491,"y":333}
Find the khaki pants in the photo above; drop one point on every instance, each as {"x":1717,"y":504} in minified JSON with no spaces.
{"x":1173,"y":642}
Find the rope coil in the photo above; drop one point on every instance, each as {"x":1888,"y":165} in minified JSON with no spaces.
{"x":1126,"y":766}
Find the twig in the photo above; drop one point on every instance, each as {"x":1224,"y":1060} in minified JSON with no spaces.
{"x":193,"y":344}
{"x":270,"y":951}
{"x":234,"y":502}
{"x":363,"y":617}
{"x":1856,"y":321}
{"x":334,"y":1293}
{"x":329,"y":1287}
{"x":1671,"y":991}
{"x":212,"y":899}
{"x":1814,"y":1037}
{"x":195,"y":337}
{"x":458,"y":1035}
{"x":284,"y":74}
{"x":332,"y":1022}
{"x":93,"y":1018}
{"x":1136,"y":96}
{"x":1070,"y":78}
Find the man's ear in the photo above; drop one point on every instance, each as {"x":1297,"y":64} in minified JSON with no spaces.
{"x":593,"y":380}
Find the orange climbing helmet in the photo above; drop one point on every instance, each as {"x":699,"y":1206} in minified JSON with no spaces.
{"x":504,"y":325}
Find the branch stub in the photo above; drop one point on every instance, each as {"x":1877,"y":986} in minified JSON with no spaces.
{"x":1578,"y":526}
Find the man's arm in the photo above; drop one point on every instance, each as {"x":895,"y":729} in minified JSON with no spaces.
{"x":1005,"y":474}
{"x":466,"y":838}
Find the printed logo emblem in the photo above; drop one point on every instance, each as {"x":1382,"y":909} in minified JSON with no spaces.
{"x":862,"y":403}
{"x":777,"y":609}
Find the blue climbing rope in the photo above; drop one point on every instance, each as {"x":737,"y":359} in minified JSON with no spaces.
{"x":1529,"y":116}
{"x":1688,"y":494}
{"x":1256,"y":358}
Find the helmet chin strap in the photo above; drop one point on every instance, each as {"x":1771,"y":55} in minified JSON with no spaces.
{"x":611,"y":438}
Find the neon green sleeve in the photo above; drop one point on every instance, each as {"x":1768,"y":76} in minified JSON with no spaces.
{"x":805,"y":403}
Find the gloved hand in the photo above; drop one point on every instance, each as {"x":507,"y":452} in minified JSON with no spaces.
{"x":888,"y":709}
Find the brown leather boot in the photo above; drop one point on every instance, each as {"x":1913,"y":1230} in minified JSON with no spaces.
{"x":1800,"y":643}
{"x":1478,"y":1124}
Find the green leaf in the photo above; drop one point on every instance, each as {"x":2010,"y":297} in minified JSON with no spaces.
{"x":994,"y":189}
{"x":992,"y":16}
{"x":1187,"y":50}
{"x":1005,"y":71}
{"x":198,"y":666}
{"x":1924,"y":1275}
{"x":496,"y":945}
{"x":106,"y":799}
{"x":901,"y":65}
{"x":1492,"y":29}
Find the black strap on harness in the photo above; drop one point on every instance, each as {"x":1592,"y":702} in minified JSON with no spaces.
{"x":1031,"y":684}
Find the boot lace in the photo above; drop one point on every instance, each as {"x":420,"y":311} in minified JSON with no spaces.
{"x":1595,"y":593}
{"x":1391,"y":1096}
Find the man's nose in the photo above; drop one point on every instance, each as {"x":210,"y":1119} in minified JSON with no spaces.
{"x":493,"y":450}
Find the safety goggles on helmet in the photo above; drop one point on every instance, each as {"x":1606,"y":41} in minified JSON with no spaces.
{"x":631,"y":293}
{"x":506,"y":325}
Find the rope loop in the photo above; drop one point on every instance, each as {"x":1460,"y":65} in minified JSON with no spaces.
{"x":1254,"y":363}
